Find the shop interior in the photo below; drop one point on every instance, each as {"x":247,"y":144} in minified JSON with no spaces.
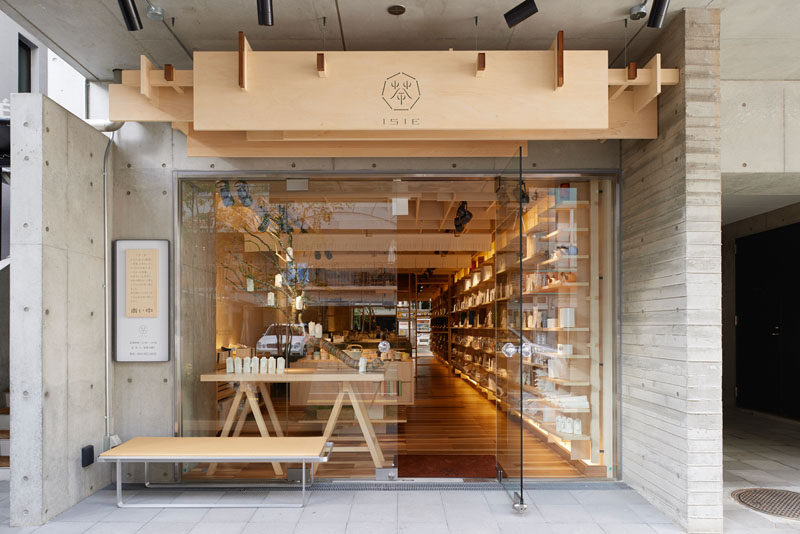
{"x":469,"y":319}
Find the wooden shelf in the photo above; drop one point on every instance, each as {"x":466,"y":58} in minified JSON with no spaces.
{"x":570,"y":329}
{"x":566,"y":383}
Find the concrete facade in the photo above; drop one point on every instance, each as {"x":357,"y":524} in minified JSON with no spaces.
{"x":671,"y":327}
{"x":57,"y":298}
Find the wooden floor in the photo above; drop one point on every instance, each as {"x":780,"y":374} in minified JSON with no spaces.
{"x":449,"y":417}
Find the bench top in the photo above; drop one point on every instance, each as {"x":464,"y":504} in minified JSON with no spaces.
{"x":286,"y":449}
{"x":296,"y":375}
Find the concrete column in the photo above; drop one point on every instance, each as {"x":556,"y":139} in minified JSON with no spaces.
{"x":57,"y":337}
{"x":671,"y":287}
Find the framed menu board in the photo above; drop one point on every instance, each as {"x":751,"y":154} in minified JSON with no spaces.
{"x":141,"y":300}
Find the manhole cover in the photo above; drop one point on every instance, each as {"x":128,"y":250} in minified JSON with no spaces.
{"x":778,"y":502}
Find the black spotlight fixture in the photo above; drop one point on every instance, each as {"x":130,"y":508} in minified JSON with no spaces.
{"x":130,"y":15}
{"x":520,"y":12}
{"x":657,"y":13}
{"x":463,"y":216}
{"x":265,"y":12}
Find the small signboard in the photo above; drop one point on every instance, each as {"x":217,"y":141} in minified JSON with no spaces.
{"x":141,"y":300}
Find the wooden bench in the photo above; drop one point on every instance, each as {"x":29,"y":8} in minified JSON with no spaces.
{"x":303,"y":450}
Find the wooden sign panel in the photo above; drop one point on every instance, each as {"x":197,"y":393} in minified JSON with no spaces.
{"x":429,"y":90}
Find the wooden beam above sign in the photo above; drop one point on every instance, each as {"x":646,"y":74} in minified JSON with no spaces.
{"x":392,"y":104}
{"x":236,"y":145}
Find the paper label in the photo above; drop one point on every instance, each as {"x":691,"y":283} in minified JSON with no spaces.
{"x":141,"y":283}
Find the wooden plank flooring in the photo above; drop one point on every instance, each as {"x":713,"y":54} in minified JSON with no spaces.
{"x":448,"y":417}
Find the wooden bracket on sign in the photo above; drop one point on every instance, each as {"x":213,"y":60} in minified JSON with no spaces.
{"x":631,"y":73}
{"x":169,"y":76}
{"x":643,"y":94}
{"x":558,"y":59}
{"x":244,"y":52}
{"x":146,"y":88}
{"x":480,"y":66}
{"x":322,"y":65}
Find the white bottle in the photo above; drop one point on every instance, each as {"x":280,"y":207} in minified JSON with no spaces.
{"x":237,"y":365}
{"x":254,"y":365}
{"x":246,"y":365}
{"x":362,"y":365}
{"x":271,"y":363}
{"x":576,"y":426}
{"x":318,"y":331}
{"x":568,"y":425}
{"x":264,"y":365}
{"x":229,"y":365}
{"x":281,"y":365}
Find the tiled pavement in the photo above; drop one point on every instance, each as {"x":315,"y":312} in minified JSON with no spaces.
{"x":354,"y":512}
{"x":758,"y":451}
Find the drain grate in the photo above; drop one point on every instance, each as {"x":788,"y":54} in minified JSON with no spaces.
{"x":778,"y":502}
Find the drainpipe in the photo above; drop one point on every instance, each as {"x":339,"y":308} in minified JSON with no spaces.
{"x":107,"y":286}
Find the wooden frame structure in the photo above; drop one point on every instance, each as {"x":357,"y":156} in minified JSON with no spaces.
{"x":392,"y":104}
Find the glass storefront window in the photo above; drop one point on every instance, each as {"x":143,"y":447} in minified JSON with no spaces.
{"x":377,"y":312}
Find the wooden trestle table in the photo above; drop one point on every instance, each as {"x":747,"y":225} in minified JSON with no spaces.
{"x":251,"y":384}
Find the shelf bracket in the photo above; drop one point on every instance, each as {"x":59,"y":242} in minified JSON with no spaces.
{"x":244,"y":52}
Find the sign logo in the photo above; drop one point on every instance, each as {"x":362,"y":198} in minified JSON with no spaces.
{"x":400,"y":91}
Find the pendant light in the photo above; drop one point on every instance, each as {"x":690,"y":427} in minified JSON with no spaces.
{"x":130,"y":15}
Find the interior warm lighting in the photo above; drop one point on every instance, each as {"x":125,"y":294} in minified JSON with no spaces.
{"x":520,"y":12}
{"x":130,"y":15}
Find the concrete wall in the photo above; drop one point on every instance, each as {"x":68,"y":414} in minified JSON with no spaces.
{"x":730,"y":233}
{"x":671,"y":354}
{"x":57,"y":335}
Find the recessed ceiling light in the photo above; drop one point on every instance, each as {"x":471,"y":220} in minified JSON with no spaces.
{"x":396,"y":9}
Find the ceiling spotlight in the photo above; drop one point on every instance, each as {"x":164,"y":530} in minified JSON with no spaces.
{"x":130,"y":15}
{"x":265,"y":12}
{"x":639,"y":11}
{"x":657,"y":13}
{"x":155,"y":12}
{"x":521,"y":12}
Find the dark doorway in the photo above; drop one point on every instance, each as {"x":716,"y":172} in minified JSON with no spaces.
{"x":768,"y":322}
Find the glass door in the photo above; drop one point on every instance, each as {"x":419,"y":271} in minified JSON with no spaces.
{"x":510,"y":342}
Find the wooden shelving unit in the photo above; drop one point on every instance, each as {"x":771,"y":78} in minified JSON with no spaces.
{"x":560,"y":247}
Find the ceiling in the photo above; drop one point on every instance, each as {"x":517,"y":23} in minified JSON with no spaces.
{"x":90,"y":34}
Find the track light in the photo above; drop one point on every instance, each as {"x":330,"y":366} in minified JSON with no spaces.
{"x":264,"y":12}
{"x":130,"y":15}
{"x":657,"y":13}
{"x":521,"y":12}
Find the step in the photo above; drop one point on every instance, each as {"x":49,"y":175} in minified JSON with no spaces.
{"x":5,"y":418}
